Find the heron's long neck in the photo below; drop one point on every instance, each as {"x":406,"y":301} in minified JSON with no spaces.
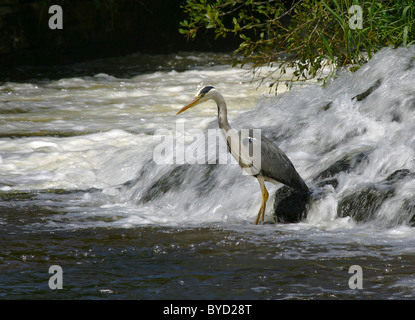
{"x":222,"y":113}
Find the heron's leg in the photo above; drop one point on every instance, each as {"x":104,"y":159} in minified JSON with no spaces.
{"x":264,"y":192}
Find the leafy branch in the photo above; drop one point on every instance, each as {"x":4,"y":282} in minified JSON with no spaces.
{"x":307,"y":36}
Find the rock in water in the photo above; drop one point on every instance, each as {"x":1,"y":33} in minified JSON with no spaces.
{"x":290,"y":205}
{"x":363,"y":204}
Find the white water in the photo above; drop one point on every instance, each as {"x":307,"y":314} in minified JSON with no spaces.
{"x":106,"y":124}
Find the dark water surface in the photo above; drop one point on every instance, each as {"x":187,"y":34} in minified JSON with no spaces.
{"x":198,"y":263}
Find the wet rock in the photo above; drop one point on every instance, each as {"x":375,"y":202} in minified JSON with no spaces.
{"x":328,"y":175}
{"x":167,"y":182}
{"x":409,"y":211}
{"x":175,"y":179}
{"x":327,"y":106}
{"x":408,"y":205}
{"x":290,"y":206}
{"x":365,"y":94}
{"x":343,"y":165}
{"x":329,"y":181}
{"x":363,"y":204}
{"x":398,"y":175}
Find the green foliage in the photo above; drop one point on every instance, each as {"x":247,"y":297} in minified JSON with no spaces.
{"x":314,"y":34}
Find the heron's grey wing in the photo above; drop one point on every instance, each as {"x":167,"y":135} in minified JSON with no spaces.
{"x":275,"y":165}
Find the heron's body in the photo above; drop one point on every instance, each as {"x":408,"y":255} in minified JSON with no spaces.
{"x":257,"y":155}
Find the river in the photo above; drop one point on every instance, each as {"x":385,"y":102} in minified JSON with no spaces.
{"x":80,"y":187}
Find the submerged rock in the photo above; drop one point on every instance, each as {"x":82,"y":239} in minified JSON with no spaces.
{"x":291,"y":206}
{"x":408,"y":208}
{"x":365,"y":94}
{"x":362,"y":204}
{"x":345,"y":164}
{"x":167,"y":182}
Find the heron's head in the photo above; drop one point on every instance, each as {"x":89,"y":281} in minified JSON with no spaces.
{"x":203,"y":95}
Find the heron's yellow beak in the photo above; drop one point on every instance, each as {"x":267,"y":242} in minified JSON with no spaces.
{"x":191,"y":104}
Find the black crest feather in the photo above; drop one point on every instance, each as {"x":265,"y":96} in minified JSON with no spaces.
{"x":205,"y":90}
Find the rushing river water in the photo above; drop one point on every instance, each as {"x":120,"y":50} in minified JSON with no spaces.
{"x":80,"y":187}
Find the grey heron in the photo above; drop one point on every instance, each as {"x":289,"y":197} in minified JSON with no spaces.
{"x":274,"y":166}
